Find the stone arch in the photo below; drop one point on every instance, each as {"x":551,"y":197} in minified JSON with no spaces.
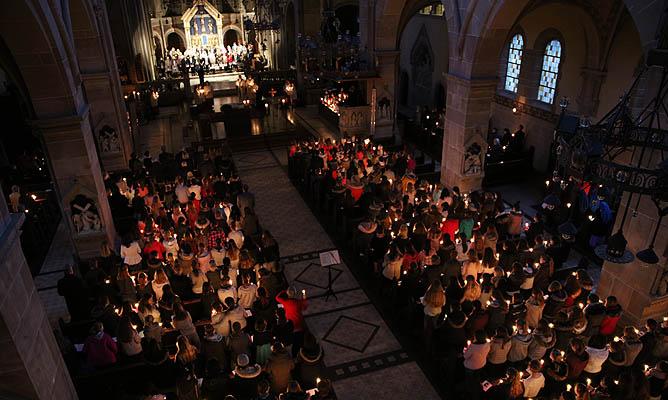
{"x":348,"y":9}
{"x":177,"y":32}
{"x":43,"y":49}
{"x":422,"y":65}
{"x":236,"y":29}
{"x":31,"y":34}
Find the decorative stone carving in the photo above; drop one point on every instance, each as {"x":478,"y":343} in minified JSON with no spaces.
{"x":83,"y":212}
{"x":474,"y":155}
{"x":109,"y":140}
{"x":84,"y":215}
{"x":384,"y":104}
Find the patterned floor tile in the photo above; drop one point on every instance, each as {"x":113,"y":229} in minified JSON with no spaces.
{"x":401,"y":382}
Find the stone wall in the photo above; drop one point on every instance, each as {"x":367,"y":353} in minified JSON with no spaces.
{"x":436,"y":29}
{"x":32,"y":365}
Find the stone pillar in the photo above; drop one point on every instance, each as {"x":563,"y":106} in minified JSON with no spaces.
{"x":366,"y":19}
{"x":532,"y":61}
{"x":588,"y":98}
{"x":467,"y":114}
{"x":99,"y":73}
{"x":640,"y":288}
{"x":32,"y":366}
{"x":75,"y":169}
{"x":385,"y":88}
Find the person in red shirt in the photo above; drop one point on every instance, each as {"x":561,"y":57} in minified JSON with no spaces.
{"x":613,"y":312}
{"x":156,"y":246}
{"x":99,"y":348}
{"x":450,"y":226}
{"x":294,"y":307}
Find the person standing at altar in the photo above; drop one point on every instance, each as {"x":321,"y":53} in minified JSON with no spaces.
{"x":212,"y":58}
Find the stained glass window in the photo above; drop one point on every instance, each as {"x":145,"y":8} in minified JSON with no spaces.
{"x":550,"y":72}
{"x":514,"y":62}
{"x":426,"y":10}
{"x":434,"y":9}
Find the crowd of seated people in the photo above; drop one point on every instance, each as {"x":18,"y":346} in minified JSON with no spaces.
{"x":477,"y":279}
{"x":193,"y":302}
{"x":506,"y":144}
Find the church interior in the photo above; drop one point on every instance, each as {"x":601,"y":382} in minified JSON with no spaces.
{"x":334,"y":199}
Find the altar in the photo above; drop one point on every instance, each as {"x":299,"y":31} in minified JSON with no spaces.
{"x":203,"y":25}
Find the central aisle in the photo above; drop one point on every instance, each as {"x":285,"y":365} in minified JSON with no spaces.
{"x":362,"y":355}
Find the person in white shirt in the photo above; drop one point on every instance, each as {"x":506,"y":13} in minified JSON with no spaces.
{"x":535,"y":381}
{"x":171,"y":245}
{"x":218,"y":255}
{"x":223,"y":321}
{"x":598,"y":353}
{"x":195,"y":188}
{"x":227,"y":290}
{"x":131,"y":253}
{"x":472,"y":266}
{"x":236,"y":235}
{"x":392,"y":264}
{"x":247,"y":293}
{"x":159,"y":281}
{"x":182,"y":193}
{"x":198,"y":278}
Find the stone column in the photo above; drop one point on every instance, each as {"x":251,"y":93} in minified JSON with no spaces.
{"x":640,"y":288}
{"x":467,"y":116}
{"x":532,"y":61}
{"x":99,"y":73}
{"x":75,"y":169}
{"x":32,"y":366}
{"x":588,"y":98}
{"x":385,"y":88}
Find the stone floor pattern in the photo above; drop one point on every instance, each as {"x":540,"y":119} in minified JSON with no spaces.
{"x":59,"y":257}
{"x":362,"y":356}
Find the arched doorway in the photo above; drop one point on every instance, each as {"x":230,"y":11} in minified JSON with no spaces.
{"x":423,"y":56}
{"x":174,"y":40}
{"x":231,"y":37}
{"x":348,"y":16}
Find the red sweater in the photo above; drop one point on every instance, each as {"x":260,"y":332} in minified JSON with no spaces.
{"x":100,"y":352}
{"x":450,"y":226}
{"x":293,"y":309}
{"x":155,"y":246}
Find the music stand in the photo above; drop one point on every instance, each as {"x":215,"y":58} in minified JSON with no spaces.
{"x":327,"y":259}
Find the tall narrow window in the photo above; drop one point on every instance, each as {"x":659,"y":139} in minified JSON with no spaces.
{"x":514,"y":62}
{"x":550,"y":72}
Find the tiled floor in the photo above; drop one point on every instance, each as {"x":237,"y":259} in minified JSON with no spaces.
{"x":362,"y":355}
{"x":60,"y":256}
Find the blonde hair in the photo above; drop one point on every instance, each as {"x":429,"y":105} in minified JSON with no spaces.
{"x":105,"y":249}
{"x":435,"y":295}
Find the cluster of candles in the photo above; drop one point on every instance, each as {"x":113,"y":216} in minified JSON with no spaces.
{"x":333,"y":99}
